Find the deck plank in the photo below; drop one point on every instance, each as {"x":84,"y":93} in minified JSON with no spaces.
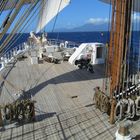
{"x":58,"y":115}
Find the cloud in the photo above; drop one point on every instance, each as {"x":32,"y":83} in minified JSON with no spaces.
{"x":135,"y":17}
{"x":98,"y":21}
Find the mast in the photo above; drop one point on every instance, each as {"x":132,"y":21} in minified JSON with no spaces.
{"x":119,"y":41}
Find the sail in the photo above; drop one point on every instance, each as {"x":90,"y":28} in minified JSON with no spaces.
{"x":49,"y":10}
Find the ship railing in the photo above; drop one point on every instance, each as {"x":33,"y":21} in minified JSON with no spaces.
{"x":67,"y":44}
{"x":10,"y":56}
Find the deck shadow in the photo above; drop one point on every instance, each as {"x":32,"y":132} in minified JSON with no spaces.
{"x":64,"y":123}
{"x":38,"y":118}
{"x":72,"y":76}
{"x":44,"y":116}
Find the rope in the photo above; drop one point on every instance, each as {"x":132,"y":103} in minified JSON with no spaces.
{"x":16,"y":37}
{"x":105,"y":80}
{"x":17,"y":26}
{"x":56,"y":16}
{"x":13,"y":16}
{"x":3,"y":5}
{"x":8,"y":16}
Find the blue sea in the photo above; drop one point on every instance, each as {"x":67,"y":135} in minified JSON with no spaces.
{"x":78,"y":37}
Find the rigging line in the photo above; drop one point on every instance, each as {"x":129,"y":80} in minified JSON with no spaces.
{"x":132,"y":46}
{"x":16,"y":39}
{"x":109,"y":15}
{"x":28,"y":22}
{"x":128,"y":40}
{"x":17,"y":26}
{"x":1,"y":2}
{"x":104,"y":87}
{"x":138,"y":57}
{"x":56,"y":16}
{"x":8,"y":16}
{"x":127,"y":43}
{"x":123,"y":49}
{"x":2,"y":6}
{"x":111,"y":46}
{"x":134,"y":53}
{"x":129,"y":47}
{"x":18,"y":36}
{"x":14,"y":15}
{"x":21,"y":19}
{"x":9,"y":37}
{"x":130,"y":72}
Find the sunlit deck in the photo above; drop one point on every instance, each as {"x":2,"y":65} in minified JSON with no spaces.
{"x":58,"y":115}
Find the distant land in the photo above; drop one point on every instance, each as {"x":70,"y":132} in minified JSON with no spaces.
{"x":89,"y":27}
{"x":85,"y":28}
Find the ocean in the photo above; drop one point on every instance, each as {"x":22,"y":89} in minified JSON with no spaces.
{"x":78,"y":37}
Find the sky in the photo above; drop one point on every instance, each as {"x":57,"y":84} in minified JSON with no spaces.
{"x":78,"y":13}
{"x":81,"y":12}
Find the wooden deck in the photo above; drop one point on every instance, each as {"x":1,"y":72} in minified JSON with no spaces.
{"x":58,"y":115}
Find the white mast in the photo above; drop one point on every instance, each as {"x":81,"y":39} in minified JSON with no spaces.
{"x":49,"y":10}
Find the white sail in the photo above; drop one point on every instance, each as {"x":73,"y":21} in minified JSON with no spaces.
{"x":49,"y":10}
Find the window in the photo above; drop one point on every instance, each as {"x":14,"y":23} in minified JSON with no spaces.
{"x":99,"y":52}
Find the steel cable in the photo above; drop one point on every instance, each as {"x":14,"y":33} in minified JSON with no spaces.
{"x":33,"y":16}
{"x":17,"y":26}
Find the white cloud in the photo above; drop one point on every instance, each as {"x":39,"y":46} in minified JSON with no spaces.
{"x":135,"y":17}
{"x":98,"y":21}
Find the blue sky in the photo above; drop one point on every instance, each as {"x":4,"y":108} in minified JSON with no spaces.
{"x":80,"y":12}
